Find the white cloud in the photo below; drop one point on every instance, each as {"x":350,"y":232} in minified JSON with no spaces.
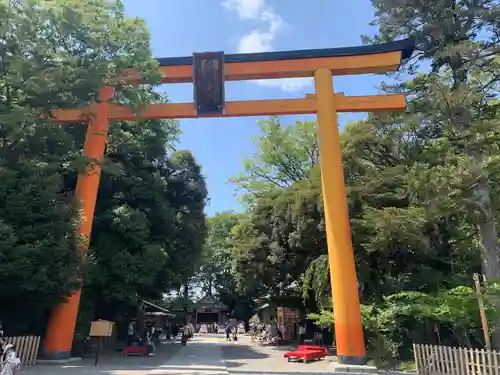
{"x":261,"y":39}
{"x":286,"y":84}
{"x":247,"y":9}
{"x":255,"y":41}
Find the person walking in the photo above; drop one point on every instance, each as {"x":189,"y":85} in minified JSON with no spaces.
{"x":302,"y":333}
{"x":131,"y":333}
{"x":185,"y":334}
{"x":8,"y":360}
{"x":175,"y":333}
{"x":149,"y":342}
{"x":235,"y":332}
{"x":168,"y":332}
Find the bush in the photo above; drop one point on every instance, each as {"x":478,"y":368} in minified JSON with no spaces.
{"x":392,"y":326}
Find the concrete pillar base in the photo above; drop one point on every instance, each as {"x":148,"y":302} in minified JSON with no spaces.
{"x":340,"y":368}
{"x":351,"y":360}
{"x":55,"y":362}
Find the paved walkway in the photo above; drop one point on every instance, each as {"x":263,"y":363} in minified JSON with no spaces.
{"x":210,"y":355}
{"x":245,"y":358}
{"x":202,"y":355}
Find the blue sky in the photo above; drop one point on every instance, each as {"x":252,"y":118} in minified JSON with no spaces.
{"x":181,"y":27}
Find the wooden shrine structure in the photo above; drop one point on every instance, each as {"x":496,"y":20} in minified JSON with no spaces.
{"x":288,"y":319}
{"x":208,"y":73}
{"x":207,"y":310}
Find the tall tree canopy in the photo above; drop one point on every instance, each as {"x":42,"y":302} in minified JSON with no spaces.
{"x":402,"y":243}
{"x":149,"y":223}
{"x":217,"y":274}
{"x":454,"y":105}
{"x":284,"y":155}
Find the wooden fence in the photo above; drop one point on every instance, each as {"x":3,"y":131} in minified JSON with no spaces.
{"x":446,"y":360}
{"x":26,"y":348}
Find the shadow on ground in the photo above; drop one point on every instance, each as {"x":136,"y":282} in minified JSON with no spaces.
{"x":242,"y":358}
{"x":173,"y":370}
{"x":241,"y":352}
{"x":110,"y":361}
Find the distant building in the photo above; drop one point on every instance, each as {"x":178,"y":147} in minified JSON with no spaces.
{"x":207,"y":310}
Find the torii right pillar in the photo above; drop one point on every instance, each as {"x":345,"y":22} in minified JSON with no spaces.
{"x":346,"y":310}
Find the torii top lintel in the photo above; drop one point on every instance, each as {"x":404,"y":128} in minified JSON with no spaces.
{"x":376,"y":58}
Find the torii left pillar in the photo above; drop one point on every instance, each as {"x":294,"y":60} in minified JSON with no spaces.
{"x":58,"y":340}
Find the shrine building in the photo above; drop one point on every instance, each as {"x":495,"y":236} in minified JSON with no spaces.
{"x":207,"y":311}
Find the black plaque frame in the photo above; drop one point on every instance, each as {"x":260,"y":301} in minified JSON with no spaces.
{"x":208,"y":83}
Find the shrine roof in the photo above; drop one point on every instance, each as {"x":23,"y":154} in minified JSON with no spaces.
{"x":406,"y":46}
{"x":156,"y":308}
{"x":209,"y":302}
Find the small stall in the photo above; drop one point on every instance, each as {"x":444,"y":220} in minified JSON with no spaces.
{"x":152,"y":314}
{"x":288,"y":319}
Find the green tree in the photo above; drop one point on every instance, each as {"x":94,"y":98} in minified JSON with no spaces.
{"x":284,"y":155}
{"x":452,"y":103}
{"x":53,"y":54}
{"x":216,"y":270}
{"x":400,"y":319}
{"x":217,"y":273}
{"x":421,"y":185}
{"x":149,"y":222}
{"x":149,"y":226}
{"x":401,"y":242}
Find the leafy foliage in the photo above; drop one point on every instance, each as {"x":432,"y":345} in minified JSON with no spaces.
{"x":149,"y":223}
{"x":217,"y":273}
{"x":406,"y":316}
{"x":285,"y":155}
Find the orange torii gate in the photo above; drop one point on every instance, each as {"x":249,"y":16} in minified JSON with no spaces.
{"x":208,"y":72}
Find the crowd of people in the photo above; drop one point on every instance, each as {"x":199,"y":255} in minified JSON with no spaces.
{"x":150,"y":336}
{"x":230,"y":329}
{"x":265,"y":333}
{"x":272,"y":333}
{"x":262,"y":333}
{"x":209,"y":328}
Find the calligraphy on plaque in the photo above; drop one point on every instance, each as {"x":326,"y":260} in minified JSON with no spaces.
{"x":208,"y":82}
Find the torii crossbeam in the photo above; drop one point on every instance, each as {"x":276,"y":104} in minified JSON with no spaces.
{"x":208,"y":72}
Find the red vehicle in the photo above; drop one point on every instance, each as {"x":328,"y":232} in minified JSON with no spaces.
{"x":136,"y":349}
{"x":139,"y":347}
{"x":306,"y":353}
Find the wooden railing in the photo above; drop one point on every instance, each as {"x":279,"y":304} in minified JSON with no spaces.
{"x":26,"y":348}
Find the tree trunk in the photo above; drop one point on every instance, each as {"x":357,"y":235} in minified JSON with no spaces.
{"x":489,"y":246}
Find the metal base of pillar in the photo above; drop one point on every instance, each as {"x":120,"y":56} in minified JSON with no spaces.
{"x":351,"y":360}
{"x":341,"y":368}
